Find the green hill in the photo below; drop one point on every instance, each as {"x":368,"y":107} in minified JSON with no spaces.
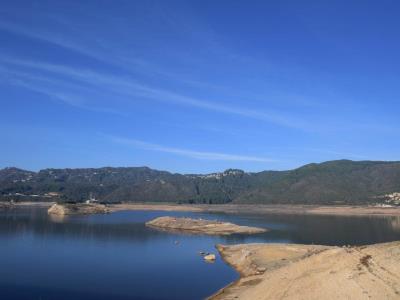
{"x":330,"y":182}
{"x":333,"y":182}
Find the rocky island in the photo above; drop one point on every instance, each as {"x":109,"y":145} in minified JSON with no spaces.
{"x":78,"y":209}
{"x":290,"y":271}
{"x":201,"y":226}
{"x":6,"y":205}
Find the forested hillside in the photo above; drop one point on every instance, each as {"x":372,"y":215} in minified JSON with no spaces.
{"x":334,"y":182}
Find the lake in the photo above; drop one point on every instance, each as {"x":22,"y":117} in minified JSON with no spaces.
{"x":115,"y":256}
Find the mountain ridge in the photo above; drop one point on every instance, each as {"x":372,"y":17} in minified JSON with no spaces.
{"x":331,"y":182}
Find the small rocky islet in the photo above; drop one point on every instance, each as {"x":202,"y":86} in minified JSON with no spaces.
{"x":78,"y":209}
{"x":201,"y":226}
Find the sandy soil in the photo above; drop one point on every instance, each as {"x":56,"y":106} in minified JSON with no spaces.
{"x":23,"y":204}
{"x":250,"y":209}
{"x":266,"y":209}
{"x":289,"y":271}
{"x":304,"y":209}
{"x":77,"y":209}
{"x":34,"y":204}
{"x":162,"y":207}
{"x":200,"y":226}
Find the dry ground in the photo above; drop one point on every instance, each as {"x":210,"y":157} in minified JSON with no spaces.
{"x":201,"y":226}
{"x":289,"y":271}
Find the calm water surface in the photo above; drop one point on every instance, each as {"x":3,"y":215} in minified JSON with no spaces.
{"x":115,"y":256}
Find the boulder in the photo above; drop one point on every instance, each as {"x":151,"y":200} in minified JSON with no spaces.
{"x":210,"y":257}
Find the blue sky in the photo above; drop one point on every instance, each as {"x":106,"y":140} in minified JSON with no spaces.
{"x":198,"y":86}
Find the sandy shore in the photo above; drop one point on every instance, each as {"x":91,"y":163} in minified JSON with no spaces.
{"x":28,"y":204}
{"x":266,"y":209}
{"x":305,"y":209}
{"x":290,"y":271}
{"x":249,"y":209}
{"x":162,"y":207}
{"x":201,"y":226}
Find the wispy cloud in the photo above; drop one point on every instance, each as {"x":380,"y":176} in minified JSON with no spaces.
{"x":129,"y":87}
{"x":30,"y":82}
{"x":87,"y":46}
{"x":70,"y":99}
{"x":50,"y":38}
{"x":189,"y":153}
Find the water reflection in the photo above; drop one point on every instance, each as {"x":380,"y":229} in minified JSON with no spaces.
{"x":116,"y":256}
{"x":307,"y":229}
{"x":326,"y":230}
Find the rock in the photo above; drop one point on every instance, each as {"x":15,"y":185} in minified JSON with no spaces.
{"x":201,"y":226}
{"x":6,"y":205}
{"x":261,"y":270}
{"x":76,"y":209}
{"x":210,"y":257}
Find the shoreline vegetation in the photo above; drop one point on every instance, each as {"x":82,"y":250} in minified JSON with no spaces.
{"x":201,"y":226}
{"x":293,"y":271}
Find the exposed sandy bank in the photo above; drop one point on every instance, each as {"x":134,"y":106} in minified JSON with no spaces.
{"x":163,"y":207}
{"x":6,"y":205}
{"x":77,"y":209}
{"x":249,"y":208}
{"x":266,"y":209}
{"x":34,"y":204}
{"x":343,"y":210}
{"x":290,"y":271}
{"x":201,"y":226}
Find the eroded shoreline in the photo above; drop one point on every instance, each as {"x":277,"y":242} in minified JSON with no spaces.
{"x":293,"y":271}
{"x":266,"y":209}
{"x":345,"y":210}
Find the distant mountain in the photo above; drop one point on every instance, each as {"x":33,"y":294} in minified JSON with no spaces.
{"x":333,"y":182}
